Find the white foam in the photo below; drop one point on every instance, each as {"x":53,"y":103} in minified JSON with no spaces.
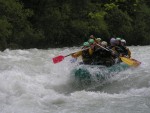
{"x":31,"y":83}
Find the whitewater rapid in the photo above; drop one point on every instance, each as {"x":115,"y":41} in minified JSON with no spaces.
{"x":31,"y":83}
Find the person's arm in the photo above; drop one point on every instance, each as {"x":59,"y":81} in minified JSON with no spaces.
{"x":77,"y":54}
{"x":129,"y":52}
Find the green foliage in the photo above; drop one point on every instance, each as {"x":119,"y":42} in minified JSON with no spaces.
{"x":142,"y":26}
{"x":5,"y":32}
{"x":97,"y":20}
{"x":119,"y":23}
{"x":5,"y":28}
{"x":110,"y":6}
{"x":16,"y":26}
{"x":98,"y":25}
{"x":59,"y":23}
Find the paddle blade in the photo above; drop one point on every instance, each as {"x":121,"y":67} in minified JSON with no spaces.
{"x":131,"y":62}
{"x":58,"y":59}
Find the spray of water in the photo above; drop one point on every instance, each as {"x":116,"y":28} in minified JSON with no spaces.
{"x":31,"y":83}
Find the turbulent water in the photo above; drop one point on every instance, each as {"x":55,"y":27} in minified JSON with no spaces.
{"x":31,"y":83}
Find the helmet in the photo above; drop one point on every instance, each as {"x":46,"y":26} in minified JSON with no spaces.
{"x":104,"y":43}
{"x":91,"y":41}
{"x":119,"y":39}
{"x":98,"y":39}
{"x":123,"y":41}
{"x":86,"y":44}
{"x":112,"y":41}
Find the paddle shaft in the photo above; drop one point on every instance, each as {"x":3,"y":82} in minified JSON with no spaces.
{"x":86,"y":49}
{"x":61,"y":57}
{"x":77,"y":51}
{"x":104,"y":48}
{"x":131,"y":62}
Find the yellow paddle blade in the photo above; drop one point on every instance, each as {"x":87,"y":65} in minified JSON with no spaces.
{"x":131,"y":62}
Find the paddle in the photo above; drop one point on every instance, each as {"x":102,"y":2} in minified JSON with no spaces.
{"x":61,"y":57}
{"x":130,"y":62}
{"x":103,"y":47}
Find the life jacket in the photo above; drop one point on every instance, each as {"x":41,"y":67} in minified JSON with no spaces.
{"x":117,"y":49}
{"x":124,"y":50}
{"x":114,"y":51}
{"x":87,"y":56}
{"x":112,"y":48}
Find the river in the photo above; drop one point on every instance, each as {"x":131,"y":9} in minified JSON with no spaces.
{"x":31,"y":83}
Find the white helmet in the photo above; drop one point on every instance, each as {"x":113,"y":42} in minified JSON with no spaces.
{"x":123,"y":41}
{"x":104,"y":43}
{"x":98,"y":39}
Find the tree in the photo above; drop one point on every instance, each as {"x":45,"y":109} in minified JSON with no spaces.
{"x":5,"y":32}
{"x":120,"y":24}
{"x":17,"y":17}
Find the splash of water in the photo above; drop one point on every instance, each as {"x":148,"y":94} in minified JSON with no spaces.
{"x":31,"y":83}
